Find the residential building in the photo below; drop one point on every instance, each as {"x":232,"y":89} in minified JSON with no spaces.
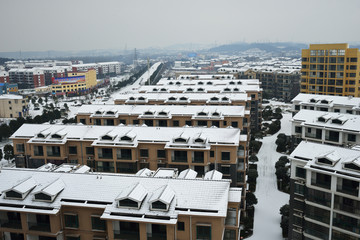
{"x":85,"y":67}
{"x":165,"y":116}
{"x":327,"y":127}
{"x":55,"y":204}
{"x":126,"y":149}
{"x":27,"y":78}
{"x":51,"y":73}
{"x":75,"y":83}
{"x":330,"y":69}
{"x":324,"y":192}
{"x":109,"y":68}
{"x":13,"y":106}
{"x":326,"y":103}
{"x":4,"y":77}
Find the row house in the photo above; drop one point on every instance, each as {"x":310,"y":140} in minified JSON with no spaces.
{"x":324,"y":192}
{"x":162,"y":204}
{"x":327,"y":128}
{"x":126,"y":149}
{"x":166,"y":116}
{"x":326,"y":103}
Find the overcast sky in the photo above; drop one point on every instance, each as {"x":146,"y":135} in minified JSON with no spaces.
{"x":42,"y":25}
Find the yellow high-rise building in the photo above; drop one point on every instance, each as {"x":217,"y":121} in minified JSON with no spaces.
{"x":330,"y":69}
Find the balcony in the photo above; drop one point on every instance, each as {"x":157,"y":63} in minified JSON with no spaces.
{"x":40,"y":227}
{"x":156,"y":236}
{"x":198,"y":160}
{"x":126,"y":234}
{"x":14,"y":224}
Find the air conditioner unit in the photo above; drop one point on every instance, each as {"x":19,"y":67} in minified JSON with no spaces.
{"x":160,"y":161}
{"x":143,"y":160}
{"x":90,"y":158}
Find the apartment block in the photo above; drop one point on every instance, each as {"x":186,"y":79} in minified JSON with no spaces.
{"x":27,"y":78}
{"x":4,"y":77}
{"x":85,"y":67}
{"x":326,"y":103}
{"x":330,"y":69}
{"x":55,"y":204}
{"x":13,"y":106}
{"x":106,"y":68}
{"x":327,"y":127}
{"x":165,"y":116}
{"x":126,"y":149}
{"x":324,"y":192}
{"x":51,"y":73}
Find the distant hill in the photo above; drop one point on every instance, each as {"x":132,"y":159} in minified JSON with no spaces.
{"x":268,"y":47}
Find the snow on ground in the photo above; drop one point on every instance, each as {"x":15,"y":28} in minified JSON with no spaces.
{"x":267,"y":215}
{"x":141,"y":80}
{"x":286,"y":107}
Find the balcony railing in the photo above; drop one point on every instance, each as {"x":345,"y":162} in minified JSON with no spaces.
{"x":41,"y":227}
{"x":125,"y":234}
{"x":178,"y":159}
{"x":156,"y":236}
{"x":197,"y":160}
{"x":348,"y":190}
{"x":321,"y":184}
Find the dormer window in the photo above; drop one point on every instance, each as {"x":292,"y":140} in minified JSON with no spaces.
{"x":232,"y":83}
{"x":183,"y":99}
{"x":180,"y":140}
{"x":106,"y":137}
{"x":163,"y":90}
{"x":49,"y":193}
{"x":236,"y":89}
{"x":171,"y":83}
{"x":325,"y":101}
{"x":132,"y":197}
{"x":21,"y":190}
{"x":110,"y":112}
{"x":172,"y":98}
{"x":42,"y":196}
{"x":13,"y":194}
{"x":312,"y":100}
{"x":161,"y":199}
{"x":239,"y":82}
{"x":141,"y":98}
{"x":158,"y":205}
{"x":40,"y":135}
{"x":162,"y":113}
{"x":209,"y":83}
{"x":227,"y":90}
{"x":216,"y":114}
{"x":200,"y":83}
{"x":225,"y":99}
{"x":336,"y":121}
{"x":131,"y":98}
{"x":155,"y":89}
{"x":148,"y":113}
{"x":189,"y":90}
{"x":125,"y":138}
{"x":200,"y":90}
{"x":199,"y":140}
{"x":325,"y":161}
{"x":178,"y":83}
{"x":57,"y":136}
{"x":98,"y":112}
{"x":321,"y":119}
{"x":352,"y":166}
{"x":202,"y":114}
{"x":214,"y":99}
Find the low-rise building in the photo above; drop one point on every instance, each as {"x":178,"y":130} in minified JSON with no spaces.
{"x":326,"y":103}
{"x":126,"y":149}
{"x":324,"y":192}
{"x":57,"y":204}
{"x":13,"y":106}
{"x":8,"y":88}
{"x":4,"y":77}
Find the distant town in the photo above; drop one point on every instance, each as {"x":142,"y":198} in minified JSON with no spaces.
{"x":221,"y":144}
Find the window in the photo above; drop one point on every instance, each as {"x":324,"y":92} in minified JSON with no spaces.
{"x":181,"y":226}
{"x":175,"y":123}
{"x":225,"y":123}
{"x":298,"y":130}
{"x":38,"y":151}
{"x":300,"y":172}
{"x":225,"y":169}
{"x":72,"y":150}
{"x":20,"y":148}
{"x":297,"y":107}
{"x":351,"y":137}
{"x":161,"y":154}
{"x":144,"y":153}
{"x":71,"y":220}
{"x":212,"y":154}
{"x":225,"y":156}
{"x":234,"y":124}
{"x":188,"y":123}
{"x":136,"y":122}
{"x":203,"y":232}
{"x":89,"y":150}
{"x":97,"y":223}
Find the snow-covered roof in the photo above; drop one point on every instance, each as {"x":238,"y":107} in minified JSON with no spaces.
{"x":10,"y":96}
{"x":202,"y":197}
{"x":341,"y":121}
{"x":213,"y":175}
{"x":139,"y":133}
{"x":303,"y":98}
{"x":201,"y":89}
{"x":173,"y":110}
{"x":164,"y":97}
{"x":338,"y":156}
{"x":188,"y":174}
{"x":199,"y":83}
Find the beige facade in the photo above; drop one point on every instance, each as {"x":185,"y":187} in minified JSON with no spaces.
{"x":13,"y":106}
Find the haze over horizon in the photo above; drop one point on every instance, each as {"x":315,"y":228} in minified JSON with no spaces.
{"x":42,"y":25}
